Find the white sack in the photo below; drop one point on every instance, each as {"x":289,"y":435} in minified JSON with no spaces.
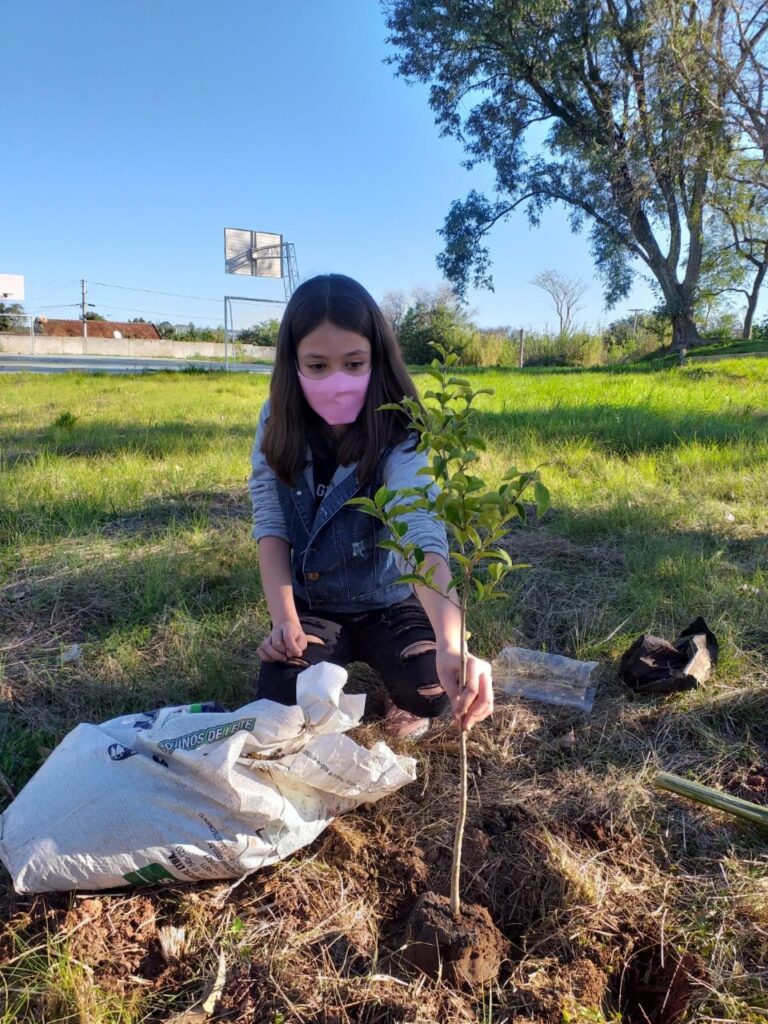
{"x":182,"y":794}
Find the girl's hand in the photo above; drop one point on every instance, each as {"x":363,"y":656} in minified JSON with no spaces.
{"x":475,"y":702}
{"x":285,"y":641}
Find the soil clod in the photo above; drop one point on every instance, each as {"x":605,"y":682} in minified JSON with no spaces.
{"x":467,"y":951}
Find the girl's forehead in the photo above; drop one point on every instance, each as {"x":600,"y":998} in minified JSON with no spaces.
{"x":327,"y":339}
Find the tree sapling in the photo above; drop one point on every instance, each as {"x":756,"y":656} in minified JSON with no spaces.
{"x":476,"y":516}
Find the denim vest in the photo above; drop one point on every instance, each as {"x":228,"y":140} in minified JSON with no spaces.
{"x":336,"y":562}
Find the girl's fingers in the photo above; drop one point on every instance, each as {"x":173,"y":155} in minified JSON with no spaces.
{"x":268,"y":651}
{"x":295,"y":645}
{"x":282,"y":643}
{"x":476,"y":700}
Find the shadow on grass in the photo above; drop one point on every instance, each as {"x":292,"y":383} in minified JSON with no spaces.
{"x":593,"y":584}
{"x":103,"y":438}
{"x":89,"y":514}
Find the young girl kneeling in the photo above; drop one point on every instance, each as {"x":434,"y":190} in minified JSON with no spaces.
{"x":332,"y":592}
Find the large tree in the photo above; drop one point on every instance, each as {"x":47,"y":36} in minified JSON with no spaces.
{"x":739,"y":56}
{"x":737,"y":230}
{"x":639,"y":112}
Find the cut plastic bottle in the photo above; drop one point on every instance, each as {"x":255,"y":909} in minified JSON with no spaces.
{"x":550,"y":678}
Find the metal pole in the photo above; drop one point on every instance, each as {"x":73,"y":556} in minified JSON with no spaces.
{"x":522,"y":349}
{"x":84,"y":306}
{"x":226,"y":333}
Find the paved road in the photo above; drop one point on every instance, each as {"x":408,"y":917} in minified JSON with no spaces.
{"x":114,"y":364}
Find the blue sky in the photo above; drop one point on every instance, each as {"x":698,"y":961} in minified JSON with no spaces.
{"x":135,"y":132}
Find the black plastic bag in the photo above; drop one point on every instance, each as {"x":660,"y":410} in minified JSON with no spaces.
{"x":654,"y":665}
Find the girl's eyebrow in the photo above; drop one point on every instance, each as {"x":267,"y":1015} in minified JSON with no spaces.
{"x":321,"y":355}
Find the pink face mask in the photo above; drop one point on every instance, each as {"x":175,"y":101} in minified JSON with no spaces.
{"x":337,"y":398}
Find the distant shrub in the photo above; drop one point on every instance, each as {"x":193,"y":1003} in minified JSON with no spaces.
{"x":629,"y":338}
{"x":166,"y":330}
{"x":190,"y":332}
{"x":488,"y":348}
{"x":760,"y":330}
{"x":543,"y":349}
{"x":8,"y":321}
{"x":264,"y":333}
{"x":426,"y":324}
{"x":726,"y":326}
{"x":583,"y":349}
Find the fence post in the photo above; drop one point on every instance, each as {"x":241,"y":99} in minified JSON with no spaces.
{"x":522,"y":349}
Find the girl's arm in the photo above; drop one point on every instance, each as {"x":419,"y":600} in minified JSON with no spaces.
{"x":475,"y":702}
{"x":287,"y":639}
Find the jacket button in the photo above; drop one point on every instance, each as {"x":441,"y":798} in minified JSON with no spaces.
{"x":313,"y":576}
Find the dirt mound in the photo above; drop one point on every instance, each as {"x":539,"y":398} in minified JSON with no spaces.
{"x":467,"y":950}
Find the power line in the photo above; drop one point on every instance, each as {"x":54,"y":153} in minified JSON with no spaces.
{"x":57,"y":305}
{"x":155,"y":312}
{"x":151,"y":291}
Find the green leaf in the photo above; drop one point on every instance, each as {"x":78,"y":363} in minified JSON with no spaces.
{"x":541,"y":494}
{"x":412,"y":577}
{"x":392,"y":545}
{"x":382,"y":496}
{"x":364,"y":504}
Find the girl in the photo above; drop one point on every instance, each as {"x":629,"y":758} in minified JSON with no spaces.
{"x":332,"y":592}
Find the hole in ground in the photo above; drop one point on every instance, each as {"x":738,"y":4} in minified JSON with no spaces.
{"x":656,"y":986}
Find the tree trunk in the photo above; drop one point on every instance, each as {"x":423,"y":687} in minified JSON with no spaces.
{"x":678,"y":299}
{"x":754,"y":295}
{"x":685,"y":333}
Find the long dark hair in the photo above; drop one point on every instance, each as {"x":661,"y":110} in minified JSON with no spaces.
{"x":292,"y":422}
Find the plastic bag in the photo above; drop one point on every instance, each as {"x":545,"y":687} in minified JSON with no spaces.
{"x":654,"y":665}
{"x":186,"y":793}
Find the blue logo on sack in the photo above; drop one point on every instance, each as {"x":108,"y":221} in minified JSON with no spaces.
{"x":118,"y":752}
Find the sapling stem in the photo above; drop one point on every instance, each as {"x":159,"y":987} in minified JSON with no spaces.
{"x":461,"y":820}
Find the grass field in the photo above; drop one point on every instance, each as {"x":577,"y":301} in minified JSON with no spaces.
{"x":124,"y":529}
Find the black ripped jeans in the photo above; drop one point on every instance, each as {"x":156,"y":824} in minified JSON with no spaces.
{"x":397,"y":642}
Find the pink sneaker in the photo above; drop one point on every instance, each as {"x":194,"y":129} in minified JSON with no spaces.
{"x":403,"y":725}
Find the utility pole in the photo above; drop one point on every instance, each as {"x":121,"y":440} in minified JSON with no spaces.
{"x":84,"y":307}
{"x":636,"y":312}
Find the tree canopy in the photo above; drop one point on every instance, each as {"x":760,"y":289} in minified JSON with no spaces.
{"x":641,"y":105}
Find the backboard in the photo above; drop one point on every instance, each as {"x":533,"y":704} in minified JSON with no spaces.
{"x":255,"y":253}
{"x":11,"y":287}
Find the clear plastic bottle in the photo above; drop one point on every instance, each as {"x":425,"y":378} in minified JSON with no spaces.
{"x":550,"y":678}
